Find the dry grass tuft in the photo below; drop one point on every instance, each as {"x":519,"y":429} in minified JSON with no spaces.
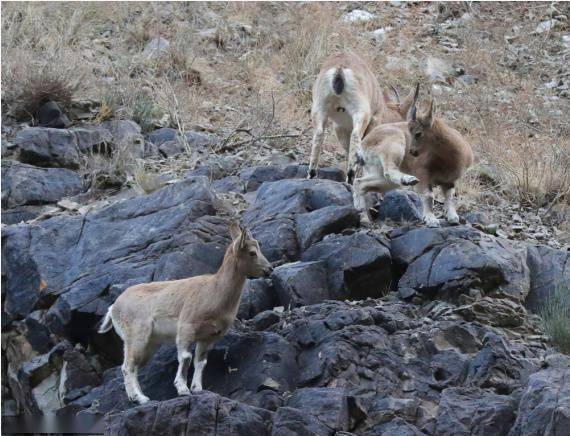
{"x":556,"y":318}
{"x":28,"y":85}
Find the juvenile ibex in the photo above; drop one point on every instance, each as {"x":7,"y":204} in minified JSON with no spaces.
{"x":384,"y":149}
{"x":443,"y":156}
{"x":347,"y":92}
{"x":194,"y":310}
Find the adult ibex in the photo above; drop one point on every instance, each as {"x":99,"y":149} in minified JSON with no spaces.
{"x":196,"y":310}
{"x":347,"y":92}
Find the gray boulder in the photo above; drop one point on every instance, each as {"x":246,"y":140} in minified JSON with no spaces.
{"x":473,"y":411}
{"x":198,"y":414}
{"x":549,"y":268}
{"x":50,"y":115}
{"x":93,"y":139}
{"x":447,"y":262}
{"x":254,"y":177}
{"x":258,"y":295}
{"x":162,"y":135}
{"x":313,"y":226}
{"x":77,"y":259}
{"x":400,"y":206}
{"x":273,"y":217}
{"x":48,"y":147}
{"x":49,"y":381}
{"x":20,"y":214}
{"x":358,"y":265}
{"x":28,"y":185}
{"x":329,"y":405}
{"x":289,"y":421}
{"x":255,"y":368}
{"x":302,"y":283}
{"x":544,"y":407}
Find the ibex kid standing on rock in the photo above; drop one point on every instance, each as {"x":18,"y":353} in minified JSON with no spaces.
{"x":347,"y":92}
{"x":194,"y":310}
{"x":443,"y":156}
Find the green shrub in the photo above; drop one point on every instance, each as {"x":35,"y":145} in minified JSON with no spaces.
{"x":556,"y":318}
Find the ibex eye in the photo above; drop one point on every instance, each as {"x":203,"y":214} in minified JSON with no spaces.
{"x":418,"y":135}
{"x":252,"y":253}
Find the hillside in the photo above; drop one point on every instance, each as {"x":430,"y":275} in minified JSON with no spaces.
{"x":132,"y":133}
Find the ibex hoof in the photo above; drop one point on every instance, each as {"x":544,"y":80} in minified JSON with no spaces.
{"x":182,"y":390}
{"x":350,"y":177}
{"x":410,"y":181}
{"x":196,"y":388}
{"x":431,"y":221}
{"x":141,"y":399}
{"x":453,"y":219}
{"x":312,"y":173}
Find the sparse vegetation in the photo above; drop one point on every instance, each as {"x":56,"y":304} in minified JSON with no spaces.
{"x":228,"y":62}
{"x":146,"y":181}
{"x":30,"y":84}
{"x":556,"y":318}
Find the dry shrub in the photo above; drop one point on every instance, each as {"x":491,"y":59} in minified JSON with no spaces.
{"x":28,"y":84}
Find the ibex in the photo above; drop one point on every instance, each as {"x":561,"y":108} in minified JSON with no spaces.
{"x":347,"y":93}
{"x":424,"y":151}
{"x":443,"y":156}
{"x":383,"y":151}
{"x":196,"y":310}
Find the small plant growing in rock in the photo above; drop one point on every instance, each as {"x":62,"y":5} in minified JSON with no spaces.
{"x":556,"y":318}
{"x":145,"y":181}
{"x":143,"y":111}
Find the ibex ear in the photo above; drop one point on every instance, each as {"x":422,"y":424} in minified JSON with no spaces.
{"x":413,"y":110}
{"x":428,"y":119}
{"x":235,"y":230}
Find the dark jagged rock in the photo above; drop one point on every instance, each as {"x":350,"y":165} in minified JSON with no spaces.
{"x":549,"y":268}
{"x":162,"y":135}
{"x":28,"y":185}
{"x":313,"y":226}
{"x":169,"y":141}
{"x":50,"y":115}
{"x":396,"y":426}
{"x":302,"y":283}
{"x":328,"y":405}
{"x":20,"y":214}
{"x":48,"y":147}
{"x":76,"y":259}
{"x":358,"y":265}
{"x":203,"y":413}
{"x":288,"y":421}
{"x":496,"y":366}
{"x":468,"y":411}
{"x":243,"y":366}
{"x":544,"y":407}
{"x":258,"y":295}
{"x":447,"y":262}
{"x":253,"y":177}
{"x":400,"y":206}
{"x":93,"y":139}
{"x":272,"y":217}
{"x":48,"y":382}
{"x":477,"y":218}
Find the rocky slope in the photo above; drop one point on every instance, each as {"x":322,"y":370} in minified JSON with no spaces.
{"x":394,"y":329}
